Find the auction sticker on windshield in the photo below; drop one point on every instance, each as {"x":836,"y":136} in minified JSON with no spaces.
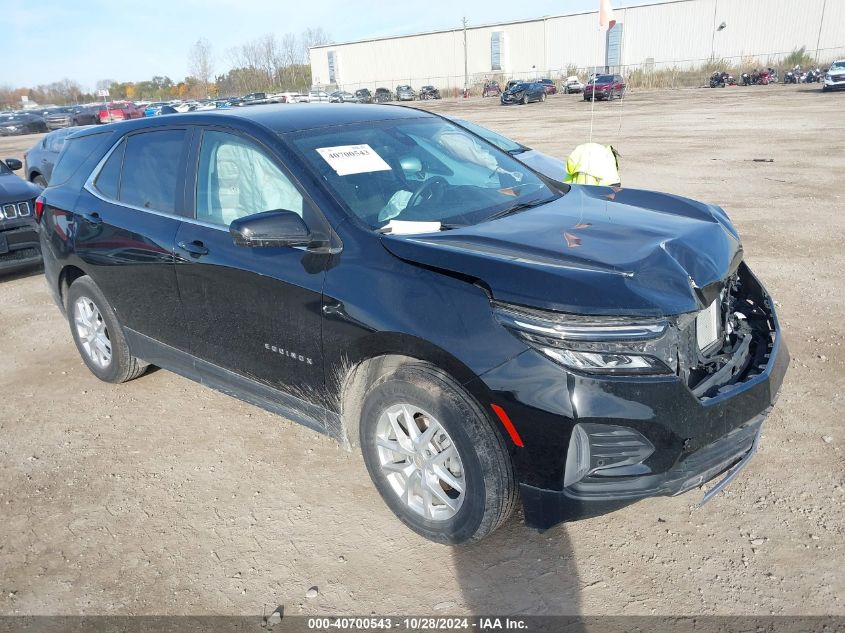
{"x":353,"y":159}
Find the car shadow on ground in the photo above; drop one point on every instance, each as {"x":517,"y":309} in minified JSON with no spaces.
{"x":23,"y":273}
{"x":519,"y":571}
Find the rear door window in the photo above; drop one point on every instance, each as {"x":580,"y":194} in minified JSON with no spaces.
{"x":150,"y":169}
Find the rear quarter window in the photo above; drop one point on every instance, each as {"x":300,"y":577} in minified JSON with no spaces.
{"x":74,"y":153}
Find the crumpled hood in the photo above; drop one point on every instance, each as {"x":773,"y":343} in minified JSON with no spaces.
{"x":595,"y":250}
{"x":14,"y":189}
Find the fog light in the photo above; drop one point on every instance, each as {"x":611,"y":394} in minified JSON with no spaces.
{"x":577,"y":457}
{"x":605,"y":450}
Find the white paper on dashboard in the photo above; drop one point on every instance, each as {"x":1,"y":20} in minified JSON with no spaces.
{"x":404,"y":227}
{"x":353,"y":159}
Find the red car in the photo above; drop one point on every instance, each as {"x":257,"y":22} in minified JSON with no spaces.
{"x":548,"y":85}
{"x":605,"y":87}
{"x":118,"y":111}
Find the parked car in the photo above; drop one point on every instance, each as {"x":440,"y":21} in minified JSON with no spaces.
{"x":363,"y":95}
{"x":572,"y":84}
{"x":429,"y":92}
{"x":491,"y":89}
{"x":600,"y":346}
{"x":549,"y":166}
{"x":20,"y":123}
{"x":405,"y":93}
{"x":118,"y":111}
{"x":382,"y":95}
{"x":154,"y":109}
{"x":254,"y":98}
{"x":41,"y":157}
{"x":834,"y":78}
{"x":523,"y":92}
{"x":19,"y":246}
{"x":548,"y":85}
{"x":605,"y":87}
{"x":289,"y":97}
{"x":341,"y":96}
{"x":59,"y":117}
{"x":86,"y":115}
{"x":318,"y":96}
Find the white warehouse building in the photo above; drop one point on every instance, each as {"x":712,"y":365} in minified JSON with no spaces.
{"x":677,"y":34}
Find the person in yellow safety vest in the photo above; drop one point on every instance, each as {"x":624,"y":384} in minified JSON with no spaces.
{"x":593,"y":164}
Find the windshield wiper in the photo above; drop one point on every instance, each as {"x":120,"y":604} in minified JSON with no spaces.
{"x":520,"y":206}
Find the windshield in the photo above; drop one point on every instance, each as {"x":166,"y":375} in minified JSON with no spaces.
{"x":840,"y":64}
{"x":418,"y":170}
{"x":3,"y":169}
{"x":502,"y":142}
{"x":604,"y":79}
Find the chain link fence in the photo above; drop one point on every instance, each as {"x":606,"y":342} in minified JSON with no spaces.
{"x":648,"y":75}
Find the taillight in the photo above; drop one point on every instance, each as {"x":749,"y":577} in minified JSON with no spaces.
{"x":39,"y":208}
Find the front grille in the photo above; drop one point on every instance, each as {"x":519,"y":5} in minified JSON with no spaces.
{"x":22,"y":253}
{"x":14,"y":210}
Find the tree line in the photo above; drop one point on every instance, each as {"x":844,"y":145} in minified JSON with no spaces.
{"x":265,"y":64}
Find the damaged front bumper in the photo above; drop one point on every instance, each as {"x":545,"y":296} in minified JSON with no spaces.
{"x":660,"y":436}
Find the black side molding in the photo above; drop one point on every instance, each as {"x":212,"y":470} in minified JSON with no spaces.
{"x":308,"y":414}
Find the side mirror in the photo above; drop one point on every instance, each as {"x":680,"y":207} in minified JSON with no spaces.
{"x":14,"y":164}
{"x":271,"y":228}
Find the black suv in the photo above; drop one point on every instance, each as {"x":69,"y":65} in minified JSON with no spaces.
{"x":390,"y":279}
{"x":18,"y":231}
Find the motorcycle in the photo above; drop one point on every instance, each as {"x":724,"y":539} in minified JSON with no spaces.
{"x":813,"y":76}
{"x":790,"y":78}
{"x":721,"y":79}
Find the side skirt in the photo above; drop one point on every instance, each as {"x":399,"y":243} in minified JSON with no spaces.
{"x":220,"y":379}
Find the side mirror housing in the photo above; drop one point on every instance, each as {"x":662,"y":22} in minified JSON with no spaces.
{"x":14,"y":164}
{"x":271,"y":228}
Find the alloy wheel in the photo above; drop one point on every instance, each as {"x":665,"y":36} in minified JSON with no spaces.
{"x":420,"y":461}
{"x":92,"y":332}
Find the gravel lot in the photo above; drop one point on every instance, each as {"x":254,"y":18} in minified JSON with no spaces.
{"x":163,"y":497}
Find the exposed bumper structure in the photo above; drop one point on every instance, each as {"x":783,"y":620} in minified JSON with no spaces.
{"x":633,"y":439}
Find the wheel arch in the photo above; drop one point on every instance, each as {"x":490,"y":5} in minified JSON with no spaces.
{"x":382,"y":353}
{"x":67,"y":276}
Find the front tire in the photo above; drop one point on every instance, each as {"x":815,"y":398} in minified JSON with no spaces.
{"x":542,"y":97}
{"x":434,"y":456}
{"x":98,"y":334}
{"x":40,"y":180}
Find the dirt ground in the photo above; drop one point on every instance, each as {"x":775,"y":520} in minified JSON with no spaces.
{"x":163,"y":497}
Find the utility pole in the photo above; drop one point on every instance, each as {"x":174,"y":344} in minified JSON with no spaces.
{"x":466,"y":71}
{"x":821,"y":23}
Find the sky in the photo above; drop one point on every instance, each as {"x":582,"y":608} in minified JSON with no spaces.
{"x":134,"y":41}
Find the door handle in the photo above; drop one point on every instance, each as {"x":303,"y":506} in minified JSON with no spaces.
{"x":92,"y":218}
{"x":195,"y":248}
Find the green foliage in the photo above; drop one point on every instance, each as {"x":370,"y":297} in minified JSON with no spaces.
{"x":798,"y":57}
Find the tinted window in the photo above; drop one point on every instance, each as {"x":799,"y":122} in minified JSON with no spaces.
{"x":108,"y":180}
{"x":74,"y":152}
{"x":150,"y":167}
{"x":236,"y":178}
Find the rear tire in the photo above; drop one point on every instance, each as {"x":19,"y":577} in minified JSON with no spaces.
{"x":98,"y":334}
{"x":418,"y":476}
{"x":542,"y":97}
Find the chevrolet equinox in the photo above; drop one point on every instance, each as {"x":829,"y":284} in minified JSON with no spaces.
{"x":480,"y":332}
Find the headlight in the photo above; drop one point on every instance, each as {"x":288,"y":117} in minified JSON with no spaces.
{"x":597,"y":345}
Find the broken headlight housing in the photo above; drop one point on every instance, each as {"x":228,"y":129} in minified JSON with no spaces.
{"x":598,"y":345}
